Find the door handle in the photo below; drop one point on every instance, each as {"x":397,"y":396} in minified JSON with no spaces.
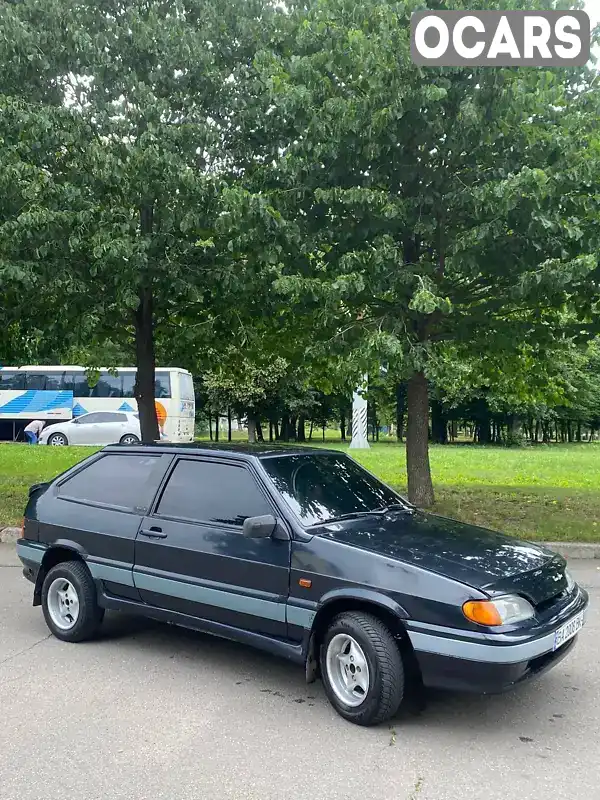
{"x":153,"y":533}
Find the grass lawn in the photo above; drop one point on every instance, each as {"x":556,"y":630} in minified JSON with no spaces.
{"x":545,"y":492}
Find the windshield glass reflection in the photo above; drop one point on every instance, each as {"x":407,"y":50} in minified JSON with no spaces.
{"x":319,"y":488}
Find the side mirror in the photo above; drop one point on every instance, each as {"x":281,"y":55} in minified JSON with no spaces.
{"x":259,"y":527}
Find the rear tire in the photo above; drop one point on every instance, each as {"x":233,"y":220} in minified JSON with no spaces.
{"x":70,"y":603}
{"x":357,"y":639}
{"x":57,"y":440}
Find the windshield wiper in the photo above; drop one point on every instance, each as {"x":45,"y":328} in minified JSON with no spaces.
{"x":394,"y":507}
{"x":372,"y":512}
{"x":351,"y":515}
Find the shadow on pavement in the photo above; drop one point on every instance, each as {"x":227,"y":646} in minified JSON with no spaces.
{"x":246,"y":666}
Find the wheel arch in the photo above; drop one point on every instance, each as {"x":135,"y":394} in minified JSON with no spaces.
{"x":62,"y":550}
{"x":371,"y":602}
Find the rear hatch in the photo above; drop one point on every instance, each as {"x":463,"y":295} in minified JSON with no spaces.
{"x":30,"y":529}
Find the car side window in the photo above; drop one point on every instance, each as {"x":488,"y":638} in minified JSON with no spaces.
{"x":109,"y":416}
{"x":88,"y":419}
{"x":108,"y":386}
{"x":35,"y":381}
{"x":122,"y":481}
{"x":206,"y":491}
{"x":55,"y":382}
{"x":12,"y":380}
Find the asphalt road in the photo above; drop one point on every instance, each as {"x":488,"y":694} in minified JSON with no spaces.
{"x":151,"y":712}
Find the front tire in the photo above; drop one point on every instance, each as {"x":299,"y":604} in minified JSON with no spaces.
{"x":129,"y":438}
{"x":362,"y":669}
{"x":57,"y":440}
{"x":69,"y":602}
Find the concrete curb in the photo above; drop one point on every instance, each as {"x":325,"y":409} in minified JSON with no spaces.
{"x":575,"y":550}
{"x":569,"y":550}
{"x":9,"y":535}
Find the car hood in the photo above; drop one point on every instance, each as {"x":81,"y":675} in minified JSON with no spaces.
{"x":484,"y":559}
{"x":50,"y":428}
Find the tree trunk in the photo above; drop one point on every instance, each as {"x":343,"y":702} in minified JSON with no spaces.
{"x":454,"y":430}
{"x":276,"y":430}
{"x":400,"y":408}
{"x":311,"y":430}
{"x":145,"y":362}
{"x":210,"y":427}
{"x":285,"y":428}
{"x":270,"y":430}
{"x":228,"y":424}
{"x":420,"y":487}
{"x":545,"y":433}
{"x":537,"y":432}
{"x":292,"y":429}
{"x":343,"y":426}
{"x":579,"y":431}
{"x":570,"y":431}
{"x":251,"y":429}
{"x":259,"y":432}
{"x":439,"y":426}
{"x":301,"y":437}
{"x":324,"y":426}
{"x":217,"y":419}
{"x":484,"y":433}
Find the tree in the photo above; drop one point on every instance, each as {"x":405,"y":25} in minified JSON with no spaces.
{"x":140,"y":107}
{"x":430,"y":206}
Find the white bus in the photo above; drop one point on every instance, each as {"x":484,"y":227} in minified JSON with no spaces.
{"x":56,"y":393}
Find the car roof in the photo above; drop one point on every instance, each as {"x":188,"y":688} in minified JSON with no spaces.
{"x":261,"y":451}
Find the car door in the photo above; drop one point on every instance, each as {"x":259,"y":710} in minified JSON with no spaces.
{"x":81,"y":429}
{"x":97,"y":508}
{"x":108,"y":427}
{"x":192,"y":557}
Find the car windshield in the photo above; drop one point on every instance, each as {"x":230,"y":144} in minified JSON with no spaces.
{"x":322,"y":488}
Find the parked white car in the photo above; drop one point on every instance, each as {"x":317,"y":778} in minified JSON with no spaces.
{"x":96,"y":428}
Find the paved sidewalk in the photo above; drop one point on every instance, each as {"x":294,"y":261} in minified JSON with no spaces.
{"x":151,"y":712}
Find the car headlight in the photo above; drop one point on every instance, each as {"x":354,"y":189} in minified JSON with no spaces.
{"x":506,"y":610}
{"x":570,"y":581}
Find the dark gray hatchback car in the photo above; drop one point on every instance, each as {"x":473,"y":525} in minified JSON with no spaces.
{"x":304,"y":554}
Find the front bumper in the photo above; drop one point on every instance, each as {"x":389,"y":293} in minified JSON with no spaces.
{"x":491,"y":663}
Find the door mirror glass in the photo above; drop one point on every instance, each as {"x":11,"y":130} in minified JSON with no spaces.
{"x":259,"y":527}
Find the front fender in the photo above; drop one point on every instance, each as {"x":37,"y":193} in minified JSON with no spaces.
{"x":364,"y":595}
{"x":368,"y":597}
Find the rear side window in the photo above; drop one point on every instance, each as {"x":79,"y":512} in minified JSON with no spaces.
{"x":109,"y":416}
{"x":205,"y":491}
{"x":113,"y":480}
{"x":162,"y":385}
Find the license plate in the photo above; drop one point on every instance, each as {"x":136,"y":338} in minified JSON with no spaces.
{"x":568,"y":630}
